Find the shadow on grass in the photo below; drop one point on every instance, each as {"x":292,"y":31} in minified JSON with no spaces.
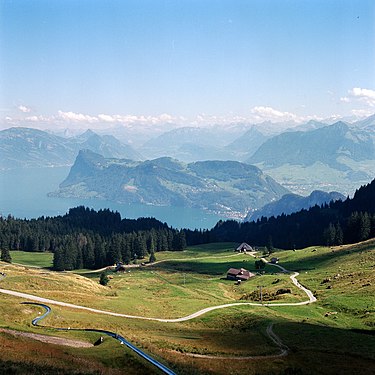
{"x":207,"y":268}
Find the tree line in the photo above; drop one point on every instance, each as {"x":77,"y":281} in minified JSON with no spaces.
{"x":336,"y":223}
{"x":85,"y":238}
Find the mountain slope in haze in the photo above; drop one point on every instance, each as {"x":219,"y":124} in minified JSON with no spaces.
{"x":336,"y":157}
{"x":324,"y":145}
{"x":366,"y":124}
{"x":25,"y":147}
{"x":235,"y":141}
{"x":225,"y":187}
{"x":106,"y":145}
{"x":190,"y":144}
{"x":290,"y":203}
{"x":246,"y":145}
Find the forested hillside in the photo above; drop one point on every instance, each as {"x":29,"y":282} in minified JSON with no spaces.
{"x":339,"y":222}
{"x":85,"y":238}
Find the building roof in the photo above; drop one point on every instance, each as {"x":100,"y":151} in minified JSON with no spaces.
{"x":240,"y":273}
{"x":245,"y":246}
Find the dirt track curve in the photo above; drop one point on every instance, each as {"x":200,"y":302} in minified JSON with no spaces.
{"x":308,"y":292}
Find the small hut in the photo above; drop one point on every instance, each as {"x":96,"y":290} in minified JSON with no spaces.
{"x":244,"y":247}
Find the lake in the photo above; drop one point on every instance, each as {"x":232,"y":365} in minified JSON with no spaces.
{"x":23,"y":194}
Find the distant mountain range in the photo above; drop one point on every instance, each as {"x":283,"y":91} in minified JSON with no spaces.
{"x":302,"y":158}
{"x":325,"y":145}
{"x":194,"y":143}
{"x":336,"y":157}
{"x":290,"y":203}
{"x":228,"y":188}
{"x":25,"y":147}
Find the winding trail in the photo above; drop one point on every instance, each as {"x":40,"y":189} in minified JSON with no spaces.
{"x":311,"y":299}
{"x":269,"y":331}
{"x":116,"y":336}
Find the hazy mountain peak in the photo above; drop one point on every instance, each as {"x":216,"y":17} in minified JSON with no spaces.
{"x":26,"y":147}
{"x":86,"y":134}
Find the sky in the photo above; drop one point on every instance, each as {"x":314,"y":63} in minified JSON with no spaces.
{"x":110,"y":62}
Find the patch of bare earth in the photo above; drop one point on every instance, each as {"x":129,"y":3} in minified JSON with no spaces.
{"x":49,"y":339}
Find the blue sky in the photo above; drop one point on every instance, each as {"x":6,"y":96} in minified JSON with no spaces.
{"x":184,"y":61}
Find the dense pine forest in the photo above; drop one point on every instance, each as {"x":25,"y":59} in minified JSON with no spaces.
{"x":336,"y":223}
{"x":84,"y":238}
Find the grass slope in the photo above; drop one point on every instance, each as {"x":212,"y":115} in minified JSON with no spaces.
{"x":43,"y":260}
{"x":329,"y":337}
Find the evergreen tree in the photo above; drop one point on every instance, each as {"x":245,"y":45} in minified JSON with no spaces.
{"x":88,"y":254}
{"x":5,"y":255}
{"x":270,"y":245}
{"x":99,"y":251}
{"x":126,"y":254}
{"x":330,"y":235}
{"x":152,"y":257}
{"x":364,"y":226}
{"x":114,"y":250}
{"x":179,"y":241}
{"x":339,"y":240}
{"x":140,"y":246}
{"x":103,"y":279}
{"x":58,"y":260}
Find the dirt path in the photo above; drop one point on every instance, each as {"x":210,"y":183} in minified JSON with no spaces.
{"x":310,"y":295}
{"x":270,"y":333}
{"x":49,"y":339}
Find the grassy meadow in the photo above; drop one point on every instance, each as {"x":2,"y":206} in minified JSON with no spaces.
{"x":43,"y":260}
{"x":331,"y":336}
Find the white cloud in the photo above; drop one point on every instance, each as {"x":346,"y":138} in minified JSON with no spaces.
{"x":24,"y":109}
{"x":107,"y":118}
{"x":72,"y":117}
{"x":33,"y":118}
{"x":269,"y":113}
{"x":166,"y":118}
{"x":362,"y":113}
{"x":366,"y":96}
{"x":76,"y":117}
{"x":162,"y":122}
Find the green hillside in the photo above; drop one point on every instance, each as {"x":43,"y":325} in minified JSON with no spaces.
{"x":331,"y":336}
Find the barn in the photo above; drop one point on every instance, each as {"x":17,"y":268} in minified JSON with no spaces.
{"x":239,"y":274}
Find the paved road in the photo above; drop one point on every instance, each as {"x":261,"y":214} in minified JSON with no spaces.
{"x":122,"y":340}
